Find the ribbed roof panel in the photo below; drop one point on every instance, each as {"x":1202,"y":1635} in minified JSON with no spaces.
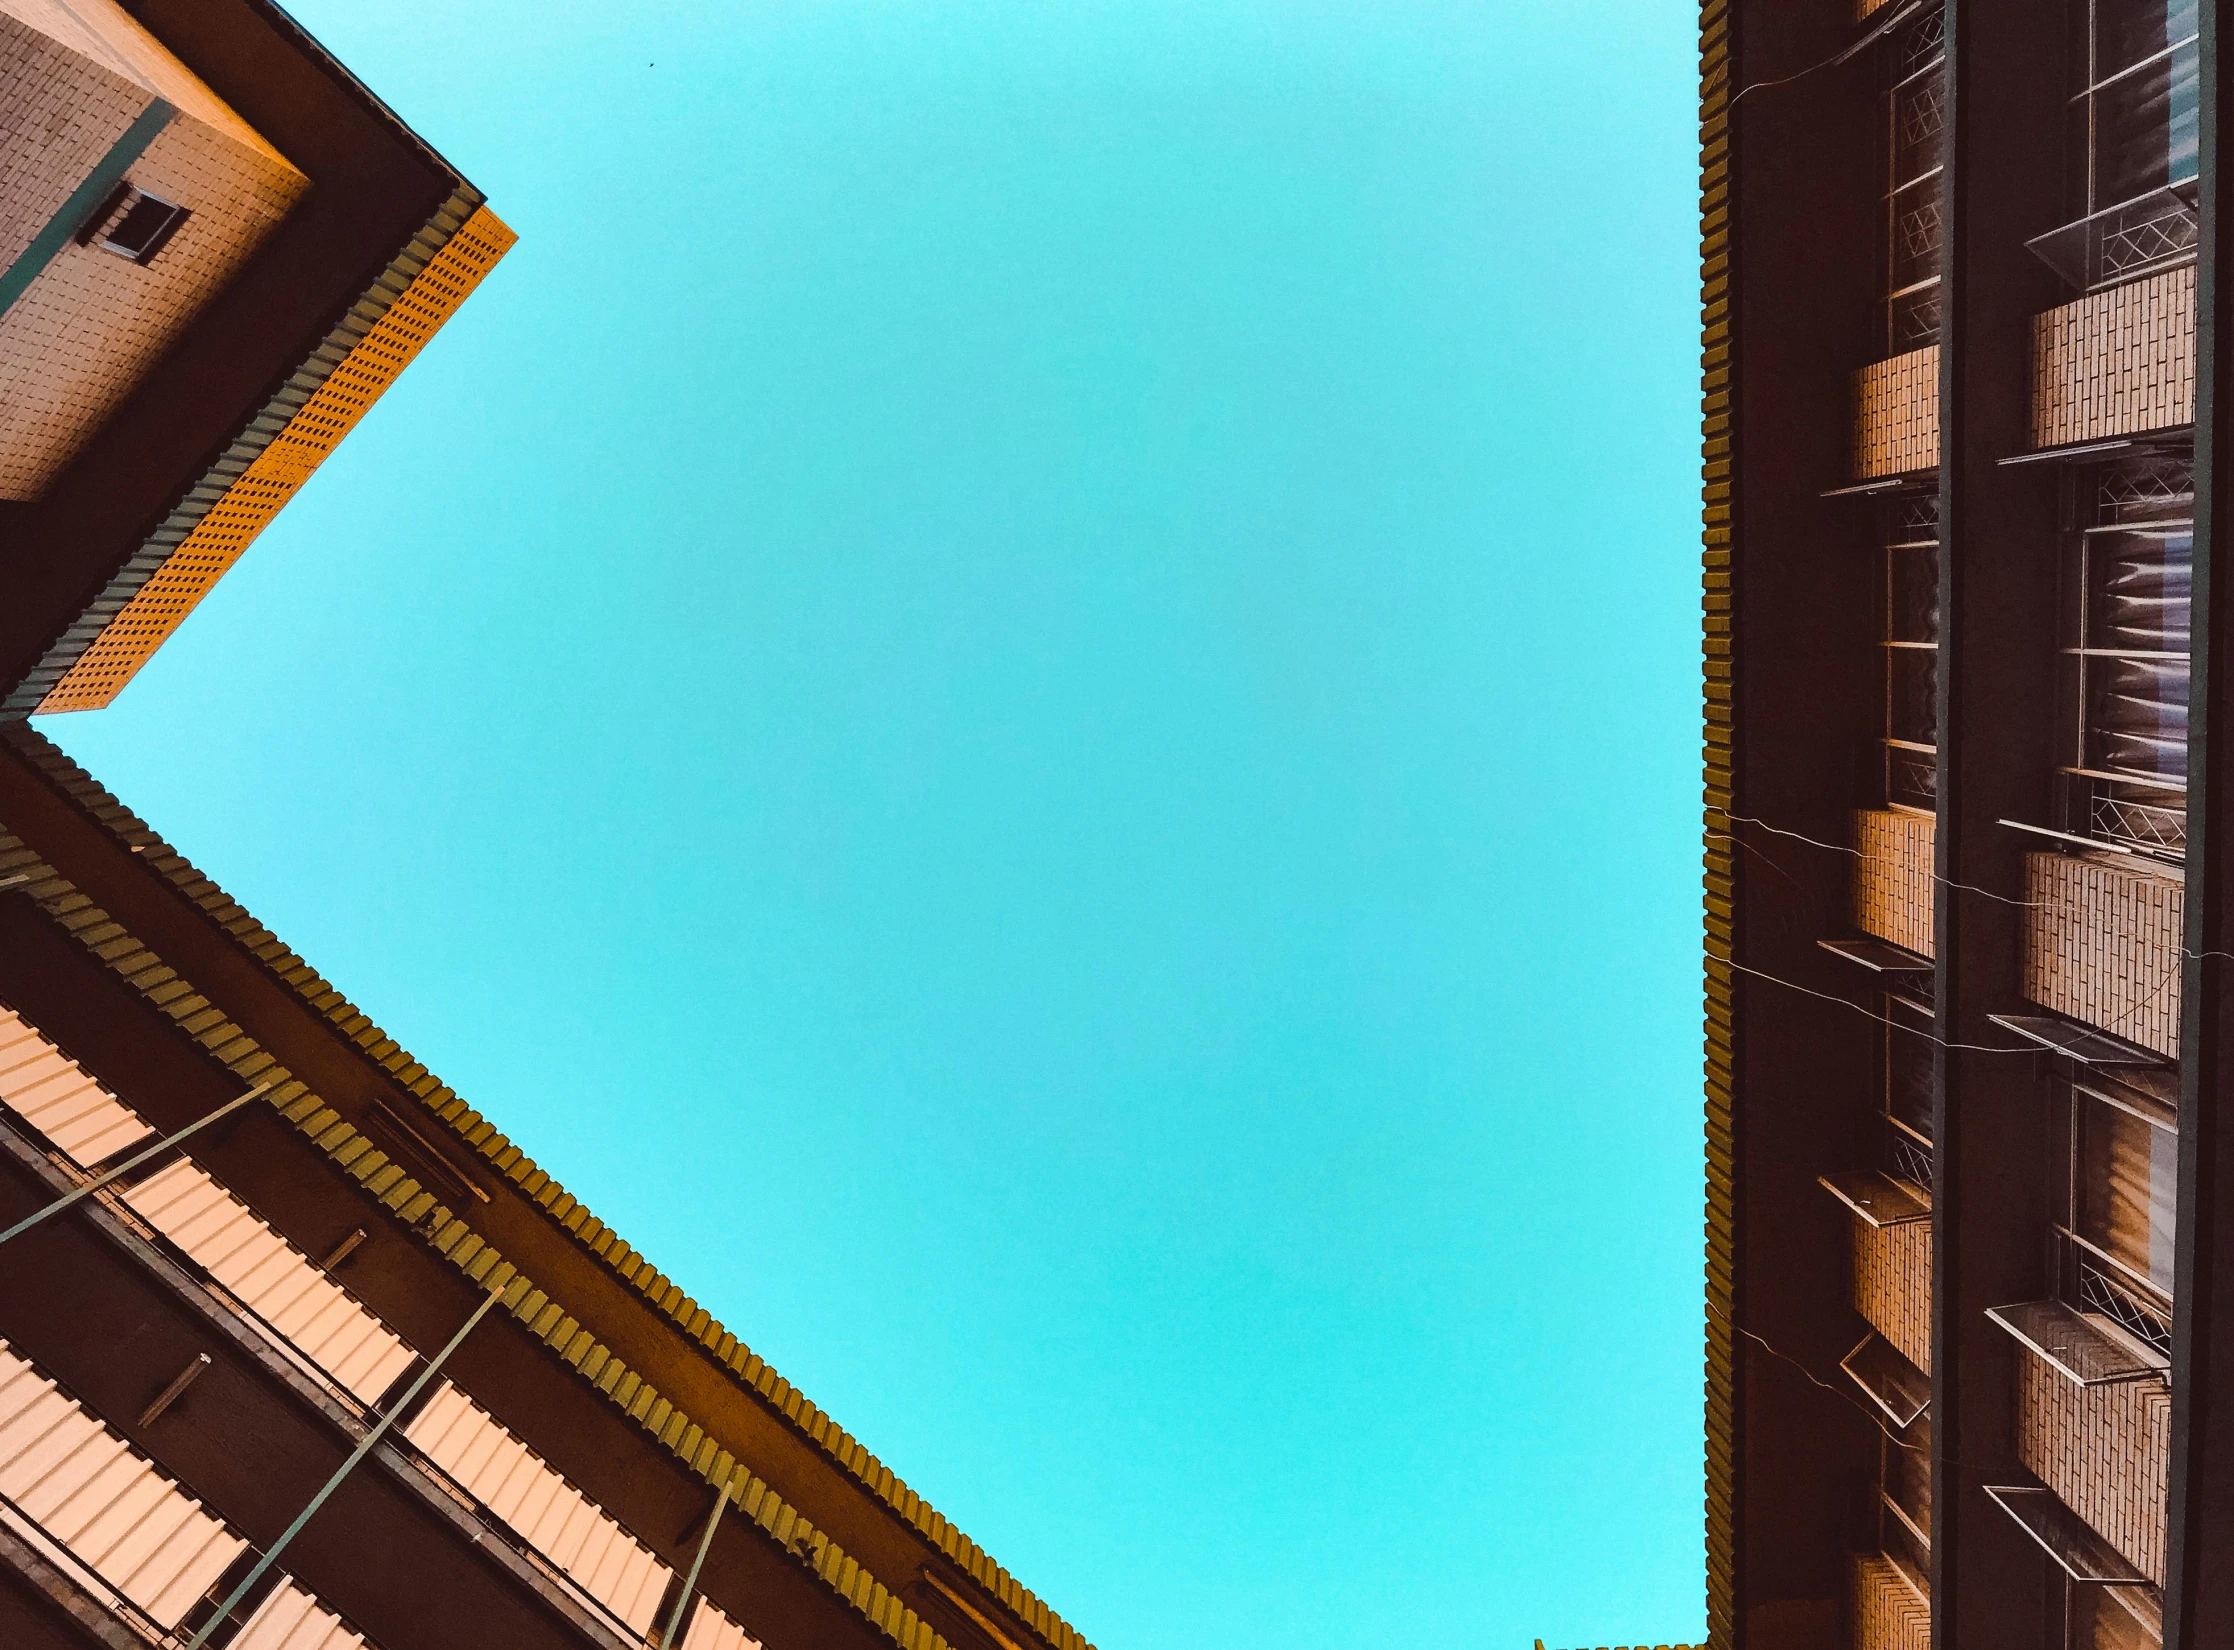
{"x":60,"y":1101}
{"x":553,"y":1516}
{"x":87,"y":1489}
{"x":277,"y":1281}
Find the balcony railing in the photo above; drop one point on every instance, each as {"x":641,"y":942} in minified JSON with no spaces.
{"x":2102,"y":944}
{"x":1893,"y":877}
{"x":2105,"y":1450}
{"x":2117,"y":362}
{"x":1896,"y":415}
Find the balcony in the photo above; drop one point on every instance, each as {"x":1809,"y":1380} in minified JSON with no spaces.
{"x":1896,"y":415}
{"x":2104,"y":1449}
{"x":1892,"y":1257}
{"x":1890,"y":1611}
{"x":1893,"y":877}
{"x":1892,"y":1285}
{"x":2117,"y":362}
{"x":2102,"y":944}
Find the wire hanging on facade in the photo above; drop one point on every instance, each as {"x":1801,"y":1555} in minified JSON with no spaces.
{"x":1902,"y":15}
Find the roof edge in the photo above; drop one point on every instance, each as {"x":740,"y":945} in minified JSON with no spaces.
{"x":234,"y":498}
{"x":746,"y":1369}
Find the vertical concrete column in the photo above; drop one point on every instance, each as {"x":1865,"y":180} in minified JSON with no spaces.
{"x":2199,"y":1591}
{"x":1806,"y":706}
{"x":1997,"y":710}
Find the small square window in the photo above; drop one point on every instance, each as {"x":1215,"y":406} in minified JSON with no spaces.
{"x":133,"y":224}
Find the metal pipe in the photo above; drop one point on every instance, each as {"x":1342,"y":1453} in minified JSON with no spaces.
{"x":363,"y":1449}
{"x":171,"y":1394}
{"x":690,"y":1584}
{"x":68,"y":1199}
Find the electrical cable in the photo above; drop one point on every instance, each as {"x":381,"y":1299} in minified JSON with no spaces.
{"x":1854,"y":50}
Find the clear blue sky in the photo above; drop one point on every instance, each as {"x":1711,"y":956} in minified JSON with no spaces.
{"x":1024,"y":691}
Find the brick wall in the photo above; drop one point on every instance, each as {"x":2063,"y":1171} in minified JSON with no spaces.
{"x":2105,"y":1450}
{"x":90,"y":326}
{"x":1896,"y":415}
{"x":1892,"y":1285}
{"x":1888,"y":1614}
{"x":1893,"y":877}
{"x":2116,"y":362}
{"x":2102,"y":944}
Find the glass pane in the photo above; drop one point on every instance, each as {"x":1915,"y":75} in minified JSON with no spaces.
{"x":2126,"y":31}
{"x":2137,"y":715}
{"x":2140,"y":590}
{"x":2128,"y":1172}
{"x":1912,"y":695}
{"x":1908,"y":1471}
{"x":1916,"y":231}
{"x":1919,"y":122}
{"x":2101,"y":1621}
{"x":1902,"y":1547}
{"x":2145,"y":129}
{"x":1907,"y":1073}
{"x":1912,"y":595}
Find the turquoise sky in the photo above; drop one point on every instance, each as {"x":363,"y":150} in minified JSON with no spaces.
{"x":1024,"y":691}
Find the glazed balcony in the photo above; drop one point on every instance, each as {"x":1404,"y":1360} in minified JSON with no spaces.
{"x":2102,"y":944}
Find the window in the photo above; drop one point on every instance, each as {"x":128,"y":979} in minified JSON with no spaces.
{"x":1916,"y":121}
{"x":1911,"y":642}
{"x":1908,"y":1088}
{"x":2120,"y":1195}
{"x":2129,"y":580}
{"x":2134,"y":119}
{"x":2115,"y":1618}
{"x":1904,"y":1484}
{"x":133,"y":224}
{"x":2131,"y":139}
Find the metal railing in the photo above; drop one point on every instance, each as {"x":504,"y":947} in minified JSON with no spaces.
{"x":358,"y":1417}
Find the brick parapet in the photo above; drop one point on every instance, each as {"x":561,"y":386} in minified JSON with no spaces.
{"x":1892,"y":1285}
{"x":1893,"y":877}
{"x":1896,"y":415}
{"x":2102,"y":944}
{"x":2105,"y":1450}
{"x":2116,"y":362}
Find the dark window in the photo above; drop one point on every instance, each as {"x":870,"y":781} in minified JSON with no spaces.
{"x":133,"y":224}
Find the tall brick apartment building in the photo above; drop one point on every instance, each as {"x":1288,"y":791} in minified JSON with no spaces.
{"x":1969,"y":757}
{"x":297,"y":1351}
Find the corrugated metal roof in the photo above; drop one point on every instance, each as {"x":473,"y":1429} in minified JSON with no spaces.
{"x":277,"y":1281}
{"x":553,"y":1516}
{"x":292,"y":1620}
{"x":711,"y":1630}
{"x":113,"y":1508}
{"x":62,"y":1103}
